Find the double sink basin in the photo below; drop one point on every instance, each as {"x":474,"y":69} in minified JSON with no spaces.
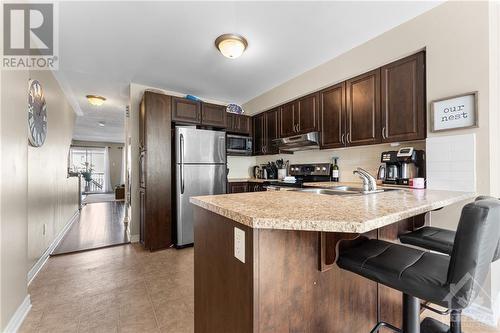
{"x":341,"y":190}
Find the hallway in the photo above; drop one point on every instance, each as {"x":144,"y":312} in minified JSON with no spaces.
{"x":117,"y":289}
{"x":99,"y":225}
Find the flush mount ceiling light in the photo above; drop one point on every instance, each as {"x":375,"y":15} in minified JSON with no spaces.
{"x":102,"y":123}
{"x":95,"y":100}
{"x":231,"y":45}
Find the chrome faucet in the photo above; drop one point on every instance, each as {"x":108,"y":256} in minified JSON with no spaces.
{"x":369,"y":182}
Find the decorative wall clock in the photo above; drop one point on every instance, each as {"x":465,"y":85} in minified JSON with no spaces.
{"x":37,"y":114}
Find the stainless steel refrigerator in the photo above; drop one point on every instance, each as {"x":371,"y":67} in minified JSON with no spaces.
{"x":200,"y":157}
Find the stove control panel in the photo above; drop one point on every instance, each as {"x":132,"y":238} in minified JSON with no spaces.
{"x":319,"y":169}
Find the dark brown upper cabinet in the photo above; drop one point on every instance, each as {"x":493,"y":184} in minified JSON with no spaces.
{"x":403,"y":99}
{"x":287,"y":116}
{"x":185,"y":110}
{"x":239,"y":124}
{"x":363,"y":109}
{"x":259,"y":133}
{"x":213,"y":115}
{"x":332,"y":113}
{"x":272,"y":131}
{"x":306,"y":117}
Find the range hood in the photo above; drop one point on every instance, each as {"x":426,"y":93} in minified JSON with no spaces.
{"x":298,"y":142}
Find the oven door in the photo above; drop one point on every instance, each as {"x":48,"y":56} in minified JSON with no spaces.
{"x":238,"y":145}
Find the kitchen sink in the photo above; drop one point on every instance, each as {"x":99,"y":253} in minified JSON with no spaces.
{"x":341,"y":190}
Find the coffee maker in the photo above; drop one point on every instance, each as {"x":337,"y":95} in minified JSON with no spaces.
{"x":401,"y":166}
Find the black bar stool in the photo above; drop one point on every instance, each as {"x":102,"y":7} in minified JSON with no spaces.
{"x":448,"y":281}
{"x":437,"y":239}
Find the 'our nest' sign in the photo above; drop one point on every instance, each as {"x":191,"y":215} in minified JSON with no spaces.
{"x":454,"y":112}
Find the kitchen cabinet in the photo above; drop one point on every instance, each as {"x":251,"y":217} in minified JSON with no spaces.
{"x":213,"y":115}
{"x":271,"y":131}
{"x":332,"y":116}
{"x":239,"y":124}
{"x":307,"y":114}
{"x":155,"y":188}
{"x":237,"y":187}
{"x":299,"y":116}
{"x":265,"y":131}
{"x":287,"y":116}
{"x":186,"y":111}
{"x":363,"y":125}
{"x":403,"y":99}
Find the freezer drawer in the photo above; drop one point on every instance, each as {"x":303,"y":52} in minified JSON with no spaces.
{"x":194,"y":180}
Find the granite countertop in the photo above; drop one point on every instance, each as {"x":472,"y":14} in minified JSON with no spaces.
{"x":242,"y":180}
{"x":292,"y":210}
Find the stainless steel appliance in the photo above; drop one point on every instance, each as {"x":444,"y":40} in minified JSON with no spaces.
{"x":238,"y":145}
{"x":200,"y":158}
{"x":401,"y":166}
{"x":298,"y":142}
{"x":303,"y":173}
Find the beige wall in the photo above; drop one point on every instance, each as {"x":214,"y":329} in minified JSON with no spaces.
{"x":14,"y":193}
{"x":35,"y":189}
{"x":115,"y":157}
{"x":458,"y":61}
{"x":52,"y":196}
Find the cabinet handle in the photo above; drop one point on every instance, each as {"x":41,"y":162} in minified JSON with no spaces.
{"x":348,"y":137}
{"x":342,"y":139}
{"x":383,"y":133}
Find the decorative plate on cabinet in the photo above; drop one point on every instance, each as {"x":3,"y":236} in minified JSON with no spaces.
{"x":37,"y":114}
{"x":234,"y":108}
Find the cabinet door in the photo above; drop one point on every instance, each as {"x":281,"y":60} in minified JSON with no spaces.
{"x":237,"y":187}
{"x":403,"y":99}
{"x":307,"y":114}
{"x":142,"y":216}
{"x":258,"y":134}
{"x":231,"y":123}
{"x":272,"y":131}
{"x":363,"y":109}
{"x":287,"y":120}
{"x":142,"y":125}
{"x":244,"y":124}
{"x":186,"y":111}
{"x":332,"y":116}
{"x":213,"y":115}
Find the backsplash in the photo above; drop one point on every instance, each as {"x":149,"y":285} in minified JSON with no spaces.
{"x":367,"y":157}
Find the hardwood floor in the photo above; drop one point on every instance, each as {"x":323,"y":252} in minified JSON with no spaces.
{"x":99,"y":225}
{"x":126,"y":289}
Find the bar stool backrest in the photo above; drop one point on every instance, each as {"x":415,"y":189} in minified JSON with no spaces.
{"x":475,"y":246}
{"x":496,"y":256}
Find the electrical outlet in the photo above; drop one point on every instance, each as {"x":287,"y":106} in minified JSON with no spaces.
{"x":239,"y":244}
{"x":44,"y":231}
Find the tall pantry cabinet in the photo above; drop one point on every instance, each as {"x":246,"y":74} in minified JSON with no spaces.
{"x":155,"y":171}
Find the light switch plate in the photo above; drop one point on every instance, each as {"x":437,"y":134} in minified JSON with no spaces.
{"x":239,"y":244}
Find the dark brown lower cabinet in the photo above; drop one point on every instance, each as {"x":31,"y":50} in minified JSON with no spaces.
{"x":155,"y":198}
{"x":237,"y":187}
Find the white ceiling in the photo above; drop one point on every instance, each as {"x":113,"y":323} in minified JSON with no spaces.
{"x":106,"y":45}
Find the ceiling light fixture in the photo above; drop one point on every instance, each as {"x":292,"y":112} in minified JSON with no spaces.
{"x":102,"y":123}
{"x":95,"y":100}
{"x":231,"y":45}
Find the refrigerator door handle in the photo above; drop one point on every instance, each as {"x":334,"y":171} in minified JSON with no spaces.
{"x":181,"y":162}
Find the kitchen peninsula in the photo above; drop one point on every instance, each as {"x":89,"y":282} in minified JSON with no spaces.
{"x":285,"y":279}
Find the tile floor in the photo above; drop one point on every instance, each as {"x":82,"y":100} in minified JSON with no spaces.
{"x":123,"y":289}
{"x":117,"y":289}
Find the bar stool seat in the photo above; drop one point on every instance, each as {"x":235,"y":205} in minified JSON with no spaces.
{"x":412,"y":271}
{"x":432,"y":238}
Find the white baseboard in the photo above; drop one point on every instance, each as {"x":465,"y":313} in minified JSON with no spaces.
{"x":134,"y":238}
{"x":17,"y":319}
{"x":45,"y":256}
{"x":484,"y":314}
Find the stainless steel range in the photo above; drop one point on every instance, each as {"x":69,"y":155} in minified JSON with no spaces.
{"x":303,"y":173}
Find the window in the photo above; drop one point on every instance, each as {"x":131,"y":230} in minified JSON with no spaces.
{"x":90,"y":163}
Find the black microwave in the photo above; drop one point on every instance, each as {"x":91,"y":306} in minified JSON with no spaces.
{"x":238,"y":145}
